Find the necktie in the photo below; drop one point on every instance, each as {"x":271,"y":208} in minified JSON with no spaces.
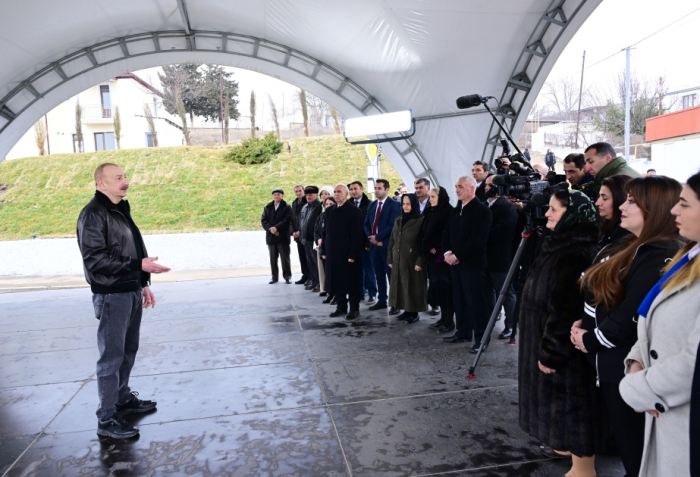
{"x":376,"y":218}
{"x":357,"y":203}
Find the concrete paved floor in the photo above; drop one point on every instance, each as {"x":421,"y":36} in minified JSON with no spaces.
{"x":257,"y":380}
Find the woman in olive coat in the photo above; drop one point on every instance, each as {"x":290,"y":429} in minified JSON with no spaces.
{"x":409,"y":278}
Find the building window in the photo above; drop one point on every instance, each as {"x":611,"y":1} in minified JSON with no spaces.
{"x":105,"y":98}
{"x":104,"y":141}
{"x":690,"y":101}
{"x":149,"y":139}
{"x":76,"y":147}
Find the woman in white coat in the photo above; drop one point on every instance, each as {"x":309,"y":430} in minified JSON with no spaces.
{"x":659,"y":368}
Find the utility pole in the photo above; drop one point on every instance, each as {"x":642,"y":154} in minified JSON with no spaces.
{"x":221,"y":102}
{"x":661,"y":95}
{"x":627,"y":105}
{"x":580,"y":95}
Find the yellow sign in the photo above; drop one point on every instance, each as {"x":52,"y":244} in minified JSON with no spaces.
{"x":372,"y":153}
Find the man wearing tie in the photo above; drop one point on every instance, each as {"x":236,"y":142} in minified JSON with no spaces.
{"x":379,"y":222}
{"x":368,"y":281}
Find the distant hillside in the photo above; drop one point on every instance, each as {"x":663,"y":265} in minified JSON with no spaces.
{"x":179,"y":189}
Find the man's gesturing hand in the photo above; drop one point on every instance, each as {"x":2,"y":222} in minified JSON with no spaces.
{"x":149,"y":299}
{"x":149,"y":265}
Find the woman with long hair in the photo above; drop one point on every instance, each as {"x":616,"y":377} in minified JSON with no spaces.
{"x":614,"y":288}
{"x":326,"y":196}
{"x":439,"y":280}
{"x":612,"y":195}
{"x":659,"y":368}
{"x":408,"y":289}
{"x":559,"y":404}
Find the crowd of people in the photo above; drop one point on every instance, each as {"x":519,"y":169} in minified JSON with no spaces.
{"x":608,"y":307}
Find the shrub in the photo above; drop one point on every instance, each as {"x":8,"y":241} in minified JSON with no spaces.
{"x":255,"y":150}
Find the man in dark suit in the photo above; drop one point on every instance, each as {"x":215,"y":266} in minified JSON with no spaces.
{"x":368,"y":280}
{"x":340,"y":246}
{"x":422,"y":187}
{"x":379,"y":222}
{"x":480,"y":171}
{"x":297,"y":205}
{"x":464,"y":242}
{"x":276,"y":218}
{"x":499,"y":252}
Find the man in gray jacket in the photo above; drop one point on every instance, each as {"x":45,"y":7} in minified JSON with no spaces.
{"x":118,"y":269}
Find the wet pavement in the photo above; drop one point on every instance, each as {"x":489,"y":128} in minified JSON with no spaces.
{"x":257,"y":380}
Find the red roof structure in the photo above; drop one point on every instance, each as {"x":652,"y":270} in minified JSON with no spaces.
{"x":679,"y":123}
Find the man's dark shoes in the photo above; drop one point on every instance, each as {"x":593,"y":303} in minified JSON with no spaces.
{"x":505,"y":334}
{"x":135,"y":405}
{"x":309,"y":287}
{"x":453,"y":339}
{"x":378,"y":306}
{"x":446,"y":328}
{"x":394,"y":311}
{"x":334,"y":301}
{"x":288,"y":281}
{"x":352,"y":315}
{"x":475,"y":348}
{"x":435,"y":325}
{"x":434,"y":311}
{"x":301,"y":281}
{"x":116,"y":427}
{"x":403,"y":316}
{"x":412,"y":318}
{"x":273,"y":281}
{"x":338,"y":312}
{"x":328,"y":299}
{"x":372,"y":301}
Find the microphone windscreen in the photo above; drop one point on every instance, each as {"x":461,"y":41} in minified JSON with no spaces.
{"x":469,"y":101}
{"x":540,"y":199}
{"x":499,"y":179}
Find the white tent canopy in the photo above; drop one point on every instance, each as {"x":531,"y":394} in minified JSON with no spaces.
{"x":363,"y":57}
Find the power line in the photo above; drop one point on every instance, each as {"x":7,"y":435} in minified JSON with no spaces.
{"x":661,"y":29}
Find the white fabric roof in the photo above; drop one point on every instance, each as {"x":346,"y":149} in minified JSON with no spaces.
{"x":364,"y":57}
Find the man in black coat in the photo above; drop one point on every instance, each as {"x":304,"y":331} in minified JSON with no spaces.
{"x":297,"y":205}
{"x":499,"y":252}
{"x":464,"y":242}
{"x":307,"y":222}
{"x":342,"y":243}
{"x":368,"y":280}
{"x":276,"y":219}
{"x":480,"y":171}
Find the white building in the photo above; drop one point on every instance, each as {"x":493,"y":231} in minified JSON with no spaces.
{"x":98,"y":103}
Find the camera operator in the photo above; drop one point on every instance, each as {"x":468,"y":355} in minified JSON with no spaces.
{"x":499,"y":252}
{"x":577,"y":173}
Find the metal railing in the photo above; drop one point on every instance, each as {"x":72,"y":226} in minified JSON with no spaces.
{"x":96,"y":111}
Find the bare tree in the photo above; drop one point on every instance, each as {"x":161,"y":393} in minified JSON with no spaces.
{"x":563,"y":94}
{"x":275,"y":119}
{"x":336,"y":123}
{"x":304,"y":110}
{"x":118,"y":127}
{"x":180,"y":88}
{"x":182,"y":112}
{"x":252,"y":113}
{"x":227,"y":114}
{"x":151,"y":124}
{"x":318,"y":110}
{"x":40,"y":136}
{"x":79,"y":126}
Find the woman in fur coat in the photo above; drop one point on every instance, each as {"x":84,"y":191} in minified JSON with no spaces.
{"x":559,"y":403}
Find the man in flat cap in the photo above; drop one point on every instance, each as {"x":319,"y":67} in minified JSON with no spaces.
{"x":307,"y":220}
{"x":276,"y":220}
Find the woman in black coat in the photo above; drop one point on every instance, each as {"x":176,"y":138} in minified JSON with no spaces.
{"x":615,"y":288}
{"x":439,"y":279}
{"x":612,"y":196}
{"x":559,"y":404}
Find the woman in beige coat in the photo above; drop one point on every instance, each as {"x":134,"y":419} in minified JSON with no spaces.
{"x":659,"y":368}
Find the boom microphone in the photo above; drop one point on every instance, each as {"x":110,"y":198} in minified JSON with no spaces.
{"x":469,"y":101}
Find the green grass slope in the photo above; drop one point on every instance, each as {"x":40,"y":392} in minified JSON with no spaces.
{"x":178,"y":189}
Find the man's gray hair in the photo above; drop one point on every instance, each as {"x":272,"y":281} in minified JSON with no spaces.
{"x":423,"y":180}
{"x":344,"y":187}
{"x":298,"y":185}
{"x":470,"y":180}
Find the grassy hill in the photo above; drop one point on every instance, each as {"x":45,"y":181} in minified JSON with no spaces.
{"x":178,"y":189}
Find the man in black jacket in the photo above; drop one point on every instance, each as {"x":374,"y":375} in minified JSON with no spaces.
{"x":307,"y":222}
{"x":276,"y":218}
{"x":499,"y":252}
{"x":464,"y":242}
{"x":368,"y":279}
{"x":297,"y":205}
{"x":118,"y":269}
{"x":480,"y":171}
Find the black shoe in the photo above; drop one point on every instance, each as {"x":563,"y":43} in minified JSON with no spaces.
{"x":323,"y":294}
{"x":549,"y":452}
{"x":394,"y":311}
{"x":505,"y":334}
{"x":453,"y":339}
{"x":434,"y":311}
{"x":309,"y":287}
{"x":309,"y":283}
{"x":328,"y":299}
{"x":116,"y":427}
{"x":338,"y":312}
{"x":316,"y":289}
{"x":446,"y":328}
{"x":372,"y":301}
{"x":301,"y":281}
{"x":352,"y":315}
{"x":288,"y":281}
{"x":412,"y":318}
{"x":334,"y":301}
{"x":378,"y":306}
{"x":362,"y":298}
{"x":403,"y":316}
{"x":135,"y":405}
{"x":475,"y":348}
{"x":435,"y":326}
{"x":273,"y":281}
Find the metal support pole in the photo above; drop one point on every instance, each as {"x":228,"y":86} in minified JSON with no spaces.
{"x":580,"y":95}
{"x":221,"y":102}
{"x":627,"y":107}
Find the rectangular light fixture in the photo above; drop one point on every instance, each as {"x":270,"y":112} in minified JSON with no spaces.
{"x":389,"y":123}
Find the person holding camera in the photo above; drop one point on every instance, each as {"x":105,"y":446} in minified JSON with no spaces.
{"x":612,"y":196}
{"x":559,"y":402}
{"x":614,"y":289}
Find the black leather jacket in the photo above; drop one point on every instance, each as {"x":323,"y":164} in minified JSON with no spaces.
{"x":107,"y":244}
